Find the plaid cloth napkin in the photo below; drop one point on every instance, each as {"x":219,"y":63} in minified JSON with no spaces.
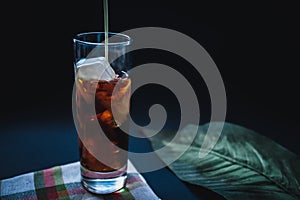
{"x":63,"y":182}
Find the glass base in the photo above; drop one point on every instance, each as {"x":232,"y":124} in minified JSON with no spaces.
{"x":108,"y":184}
{"x":104,"y":186}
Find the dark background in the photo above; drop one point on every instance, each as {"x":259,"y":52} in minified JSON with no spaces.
{"x":254,"y":44}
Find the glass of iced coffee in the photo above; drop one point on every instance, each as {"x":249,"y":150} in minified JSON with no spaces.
{"x":101,"y":99}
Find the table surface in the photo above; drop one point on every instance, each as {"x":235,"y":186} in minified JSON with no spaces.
{"x":31,"y":143}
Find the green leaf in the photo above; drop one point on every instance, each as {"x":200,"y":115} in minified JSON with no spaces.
{"x":242,"y":165}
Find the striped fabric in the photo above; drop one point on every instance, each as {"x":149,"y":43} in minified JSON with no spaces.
{"x":63,"y":182}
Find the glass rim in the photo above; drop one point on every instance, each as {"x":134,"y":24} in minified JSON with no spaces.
{"x":126,"y":39}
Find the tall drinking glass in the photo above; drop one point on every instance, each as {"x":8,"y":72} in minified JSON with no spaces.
{"x":100,"y":109}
